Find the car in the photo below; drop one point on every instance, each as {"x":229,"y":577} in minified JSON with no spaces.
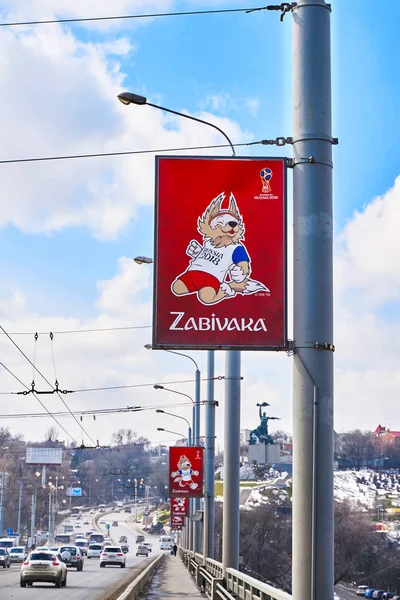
{"x":361,"y":589}
{"x":125,"y":548}
{"x":107,"y":542}
{"x":5,"y":560}
{"x":94,"y":550}
{"x":77,"y":526}
{"x":377,"y":594}
{"x":86,"y":523}
{"x":43,"y":567}
{"x":123,"y":539}
{"x":140,"y":539}
{"x":72,"y":556}
{"x":18,"y":554}
{"x":112,"y":555}
{"x":127,"y":509}
{"x":83,"y":546}
{"x":114,"y":524}
{"x":142,"y":550}
{"x":80,"y":536}
{"x":149,"y":546}
{"x":102,"y":522}
{"x":388,"y":595}
{"x":92,"y":512}
{"x":369,"y":592}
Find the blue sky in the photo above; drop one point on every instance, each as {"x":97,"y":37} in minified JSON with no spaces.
{"x":66,"y":227}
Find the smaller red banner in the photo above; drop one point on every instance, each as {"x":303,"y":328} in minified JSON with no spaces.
{"x":177,"y":522}
{"x":185,"y":472}
{"x":180,"y":506}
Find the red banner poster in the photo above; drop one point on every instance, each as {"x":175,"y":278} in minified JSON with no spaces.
{"x":185,"y":472}
{"x":180,"y":506}
{"x":177,"y":522}
{"x":220,"y":253}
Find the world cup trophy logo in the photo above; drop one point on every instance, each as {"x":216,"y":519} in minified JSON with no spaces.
{"x":266,"y":176}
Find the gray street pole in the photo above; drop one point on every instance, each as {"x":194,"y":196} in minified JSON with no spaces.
{"x":2,"y":501}
{"x":197,"y":501}
{"x":313,"y":304}
{"x":33,"y":515}
{"x":21,"y":487}
{"x":209,"y":505}
{"x":231,"y":516}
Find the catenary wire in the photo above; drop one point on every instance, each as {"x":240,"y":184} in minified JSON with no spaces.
{"x":48,"y":382}
{"x":122,"y":153}
{"x":131,"y":17}
{"x":127,"y":328}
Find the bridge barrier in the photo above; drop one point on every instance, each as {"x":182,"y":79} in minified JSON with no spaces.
{"x":208,"y":575}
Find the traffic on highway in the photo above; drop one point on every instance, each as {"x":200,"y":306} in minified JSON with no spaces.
{"x":106,"y":542}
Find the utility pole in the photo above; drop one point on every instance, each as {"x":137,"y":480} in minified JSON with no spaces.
{"x":209,"y":504}
{"x":196,"y":434}
{"x":313,"y":303}
{"x":231,"y":520}
{"x":2,"y":500}
{"x":21,"y":487}
{"x":33,"y":515}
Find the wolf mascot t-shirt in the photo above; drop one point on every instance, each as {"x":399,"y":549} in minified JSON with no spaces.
{"x":217,"y":261}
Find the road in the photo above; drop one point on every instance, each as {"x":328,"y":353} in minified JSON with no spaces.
{"x":346,"y":593}
{"x":89,"y":583}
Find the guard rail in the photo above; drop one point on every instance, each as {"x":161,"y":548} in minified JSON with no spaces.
{"x":208,"y":575}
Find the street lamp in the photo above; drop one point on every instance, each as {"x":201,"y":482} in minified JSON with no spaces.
{"x":164,"y":412}
{"x":180,"y":435}
{"x":129,"y":98}
{"x":140,"y":260}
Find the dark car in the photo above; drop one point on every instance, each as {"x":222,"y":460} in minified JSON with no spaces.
{"x":125,"y":548}
{"x":114,"y":524}
{"x":388,"y":595}
{"x":127,"y":509}
{"x":72,"y":556}
{"x":5,"y":560}
{"x":377,"y":595}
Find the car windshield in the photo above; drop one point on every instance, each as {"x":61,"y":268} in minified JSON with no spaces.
{"x":42,"y":556}
{"x":94,"y":547}
{"x":81,"y":543}
{"x":2,"y":552}
{"x":112,"y":549}
{"x":15,"y":550}
{"x":70,"y":549}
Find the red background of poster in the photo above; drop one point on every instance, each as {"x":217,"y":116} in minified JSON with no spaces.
{"x":182,"y":511}
{"x":184,"y":189}
{"x":195,"y":456}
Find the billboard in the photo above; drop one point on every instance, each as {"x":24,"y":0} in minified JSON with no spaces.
{"x":177,"y":522}
{"x":220,"y":253}
{"x":74,"y":492}
{"x":44,"y":456}
{"x":185,"y":472}
{"x":180,"y":506}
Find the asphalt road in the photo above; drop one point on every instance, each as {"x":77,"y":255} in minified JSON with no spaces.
{"x":346,"y":593}
{"x":89,"y":583}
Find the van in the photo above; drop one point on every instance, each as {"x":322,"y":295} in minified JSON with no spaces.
{"x":166,"y":542}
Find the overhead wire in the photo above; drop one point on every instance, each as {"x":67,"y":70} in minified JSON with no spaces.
{"x":99,"y":329}
{"x":131,"y":17}
{"x":48,"y":382}
{"x":122,"y":153}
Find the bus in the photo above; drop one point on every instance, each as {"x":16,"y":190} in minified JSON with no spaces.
{"x":63,"y":539}
{"x":96,"y":538}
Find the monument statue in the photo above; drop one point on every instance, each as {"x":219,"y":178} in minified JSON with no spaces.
{"x":260,"y":435}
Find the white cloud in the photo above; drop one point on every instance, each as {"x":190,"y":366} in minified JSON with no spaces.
{"x":253,"y":105}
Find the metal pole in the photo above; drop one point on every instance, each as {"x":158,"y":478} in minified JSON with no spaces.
{"x":231,"y":516}
{"x":2,"y":500}
{"x":21,"y":487}
{"x":313,"y":304}
{"x":33,"y":515}
{"x":196,"y":434}
{"x":209,"y":516}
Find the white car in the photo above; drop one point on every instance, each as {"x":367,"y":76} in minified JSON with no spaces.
{"x":94,"y":551}
{"x":361,"y":590}
{"x":18,"y":554}
{"x":43,"y":567}
{"x":112,"y":555}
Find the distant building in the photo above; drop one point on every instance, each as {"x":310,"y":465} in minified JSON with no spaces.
{"x":382,"y":437}
{"x":244,"y":436}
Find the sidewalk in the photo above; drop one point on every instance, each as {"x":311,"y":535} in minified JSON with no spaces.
{"x":172,"y":582}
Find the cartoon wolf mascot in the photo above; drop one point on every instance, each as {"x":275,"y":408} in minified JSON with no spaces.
{"x":220,"y":268}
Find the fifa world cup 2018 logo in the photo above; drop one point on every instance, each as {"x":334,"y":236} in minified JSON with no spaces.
{"x":266,"y":176}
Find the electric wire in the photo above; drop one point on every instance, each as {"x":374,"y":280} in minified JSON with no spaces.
{"x":48,"y":382}
{"x":99,"y":329}
{"x":122,"y":153}
{"x":131,"y":17}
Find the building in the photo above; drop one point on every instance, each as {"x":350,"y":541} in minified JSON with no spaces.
{"x":384,"y":438}
{"x":244,"y":436}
